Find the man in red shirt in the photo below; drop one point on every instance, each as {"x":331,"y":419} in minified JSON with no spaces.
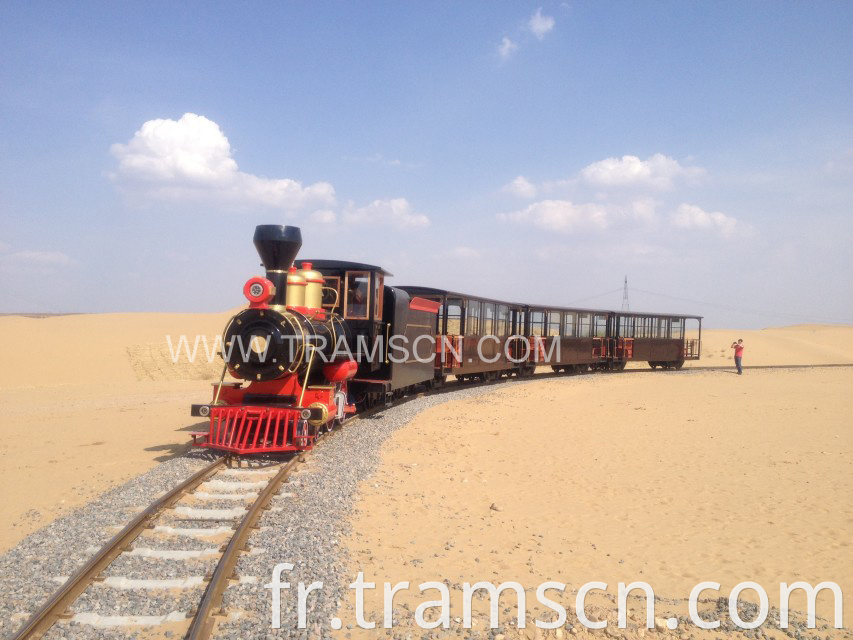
{"x":738,"y":347}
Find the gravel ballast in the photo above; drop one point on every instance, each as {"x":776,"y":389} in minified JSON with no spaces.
{"x":305,"y":527}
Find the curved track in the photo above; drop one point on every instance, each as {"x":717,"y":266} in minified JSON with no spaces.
{"x":57,"y":605}
{"x":203,"y":620}
{"x":204,"y":617}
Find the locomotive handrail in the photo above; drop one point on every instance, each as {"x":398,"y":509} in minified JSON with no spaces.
{"x":307,"y":373}
{"x":337,"y":296}
{"x":221,"y":381}
{"x":387,"y":340}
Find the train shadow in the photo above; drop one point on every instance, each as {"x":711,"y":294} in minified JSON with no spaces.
{"x":196,"y":426}
{"x":170,"y":451}
{"x":176,"y":450}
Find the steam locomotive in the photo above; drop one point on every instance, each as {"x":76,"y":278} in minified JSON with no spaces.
{"x":319,"y":343}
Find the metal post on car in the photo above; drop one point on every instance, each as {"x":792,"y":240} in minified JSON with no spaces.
{"x":699,"y":344}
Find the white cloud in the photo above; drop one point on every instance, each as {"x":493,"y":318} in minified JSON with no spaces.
{"x":465,"y":253}
{"x":506,"y":48}
{"x":689,"y":216}
{"x":615,"y":176}
{"x":324,"y":216}
{"x":191,"y":159}
{"x":397,"y":213}
{"x":655,"y":172}
{"x":540,"y":25}
{"x":643,"y":209}
{"x":560,"y":215}
{"x":4,"y":246}
{"x":521,"y":187}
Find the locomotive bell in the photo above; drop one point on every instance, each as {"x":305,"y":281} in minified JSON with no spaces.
{"x":277,"y":246}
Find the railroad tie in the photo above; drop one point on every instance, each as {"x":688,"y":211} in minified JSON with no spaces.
{"x":193,"y":513}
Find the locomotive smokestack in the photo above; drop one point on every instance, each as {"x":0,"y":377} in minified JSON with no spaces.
{"x":277,"y":245}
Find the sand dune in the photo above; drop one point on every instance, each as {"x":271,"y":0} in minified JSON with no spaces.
{"x":801,"y":344}
{"x":113,"y":348}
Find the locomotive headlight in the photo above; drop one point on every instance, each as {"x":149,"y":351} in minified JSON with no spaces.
{"x":258,"y":290}
{"x":259,"y":344}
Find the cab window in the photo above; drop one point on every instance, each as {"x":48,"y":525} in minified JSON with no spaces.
{"x":331,"y":292}
{"x":357,"y":295}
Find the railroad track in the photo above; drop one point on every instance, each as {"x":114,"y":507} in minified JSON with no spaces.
{"x":730,"y":367}
{"x":182,"y":505}
{"x":241,"y":520}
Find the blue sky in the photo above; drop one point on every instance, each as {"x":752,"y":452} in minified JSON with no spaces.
{"x":536,"y":152}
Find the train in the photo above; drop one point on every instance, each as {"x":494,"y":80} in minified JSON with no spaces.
{"x":320,"y":342}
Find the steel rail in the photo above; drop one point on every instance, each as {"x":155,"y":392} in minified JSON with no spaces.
{"x":723,"y":367}
{"x":458,"y":385}
{"x":56,"y":606}
{"x":203,"y":621}
{"x":771,"y":366}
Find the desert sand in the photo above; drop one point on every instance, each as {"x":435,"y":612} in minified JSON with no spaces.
{"x":90,"y":401}
{"x":671,"y":479}
{"x":799,"y":344}
{"x":667,"y":478}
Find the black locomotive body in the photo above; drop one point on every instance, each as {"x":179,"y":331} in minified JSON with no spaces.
{"x":392,"y":332}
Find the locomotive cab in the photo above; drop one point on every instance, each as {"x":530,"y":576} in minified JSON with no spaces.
{"x":356,"y":292}
{"x":377,"y":315}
